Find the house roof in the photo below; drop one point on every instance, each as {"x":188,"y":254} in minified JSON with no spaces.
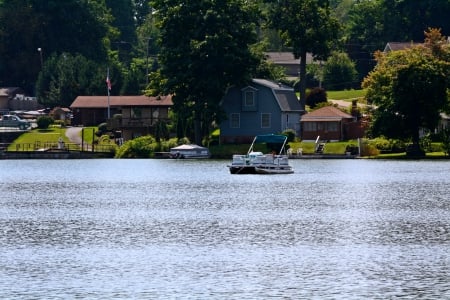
{"x":286,"y":58}
{"x":395,"y":46}
{"x":324,"y":114}
{"x":120,"y":101}
{"x":285,"y":95}
{"x":9,"y":91}
{"x":61,"y":109}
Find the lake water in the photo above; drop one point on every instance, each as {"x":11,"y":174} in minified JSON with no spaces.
{"x":167,"y":229}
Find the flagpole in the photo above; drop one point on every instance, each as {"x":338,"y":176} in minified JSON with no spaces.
{"x":108,"y":87}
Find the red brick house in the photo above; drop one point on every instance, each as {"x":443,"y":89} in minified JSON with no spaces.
{"x":331,"y":124}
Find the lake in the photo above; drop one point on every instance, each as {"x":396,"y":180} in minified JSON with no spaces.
{"x":187,"y":229}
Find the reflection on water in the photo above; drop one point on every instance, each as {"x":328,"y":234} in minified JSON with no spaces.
{"x":349,"y":229}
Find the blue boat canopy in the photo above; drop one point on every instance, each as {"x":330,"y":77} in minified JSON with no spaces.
{"x":270,"y":138}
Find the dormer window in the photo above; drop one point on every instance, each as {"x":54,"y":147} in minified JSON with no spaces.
{"x":249,"y":99}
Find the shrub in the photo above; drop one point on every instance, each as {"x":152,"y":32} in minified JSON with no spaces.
{"x":290,"y":133}
{"x":315,"y":96}
{"x":44,"y":122}
{"x":141,"y":147}
{"x":368,"y":149}
{"x":446,"y":141}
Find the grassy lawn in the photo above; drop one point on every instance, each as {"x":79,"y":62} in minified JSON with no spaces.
{"x":37,"y":138}
{"x":345,"y":95}
{"x":428,"y":155}
{"x":330,"y":148}
{"x":43,"y":138}
{"x":226,"y":151}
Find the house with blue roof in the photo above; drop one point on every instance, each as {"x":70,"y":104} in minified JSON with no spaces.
{"x":261,"y":107}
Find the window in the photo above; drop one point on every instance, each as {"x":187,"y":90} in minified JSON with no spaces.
{"x":235,"y":120}
{"x":136,"y":113}
{"x":309,"y":126}
{"x":332,"y":126}
{"x":249,"y":98}
{"x":265,"y":120}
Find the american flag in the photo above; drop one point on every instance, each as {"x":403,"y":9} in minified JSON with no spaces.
{"x":108,"y":81}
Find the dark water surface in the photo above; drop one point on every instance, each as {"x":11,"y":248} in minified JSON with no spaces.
{"x":165,"y":229}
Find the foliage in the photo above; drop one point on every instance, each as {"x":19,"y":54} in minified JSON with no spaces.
{"x":265,"y":68}
{"x":123,"y":12}
{"x":315,"y":96}
{"x":446,"y":141}
{"x":306,"y":26}
{"x":372,"y":24}
{"x":290,"y":133}
{"x":409,"y":87}
{"x":368,"y":149}
{"x":67,"y":76}
{"x":201,"y":61}
{"x":26,"y":25}
{"x":385,"y":145}
{"x":43,"y":122}
{"x":339,"y":72}
{"x":141,"y":147}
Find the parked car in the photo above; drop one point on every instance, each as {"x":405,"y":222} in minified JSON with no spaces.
{"x":14,"y":121}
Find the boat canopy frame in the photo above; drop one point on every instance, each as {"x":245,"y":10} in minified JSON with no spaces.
{"x":269,"y":139}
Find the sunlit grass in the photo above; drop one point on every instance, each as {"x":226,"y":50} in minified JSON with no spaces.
{"x":346,"y":95}
{"x":36,"y":138}
{"x":39,"y":137}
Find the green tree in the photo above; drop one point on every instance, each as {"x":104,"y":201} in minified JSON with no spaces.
{"x":316,"y":96}
{"x":373,"y":23}
{"x":339,"y":72}
{"x":123,"y":12}
{"x":204,"y":50}
{"x":409,"y":88}
{"x":70,"y":26}
{"x":67,"y":76}
{"x":141,"y":147}
{"x":416,"y":17}
{"x":305,"y":26}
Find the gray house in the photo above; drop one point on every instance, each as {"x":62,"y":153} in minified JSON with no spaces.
{"x":262,"y":107}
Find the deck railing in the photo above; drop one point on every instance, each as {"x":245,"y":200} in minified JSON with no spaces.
{"x":55,"y":146}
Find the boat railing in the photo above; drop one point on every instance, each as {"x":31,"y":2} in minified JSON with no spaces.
{"x":262,"y":159}
{"x":239,"y":159}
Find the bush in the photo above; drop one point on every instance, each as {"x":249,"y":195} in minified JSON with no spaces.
{"x":368,"y":149}
{"x":141,"y":147}
{"x":290,"y":133}
{"x":389,"y":145}
{"x":315,"y":96}
{"x":44,"y":122}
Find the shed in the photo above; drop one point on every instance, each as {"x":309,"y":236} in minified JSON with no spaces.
{"x":330,"y":123}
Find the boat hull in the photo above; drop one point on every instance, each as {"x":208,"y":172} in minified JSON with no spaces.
{"x":260,"y":170}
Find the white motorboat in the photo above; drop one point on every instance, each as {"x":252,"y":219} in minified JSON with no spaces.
{"x":255,"y":162}
{"x":189,"y":151}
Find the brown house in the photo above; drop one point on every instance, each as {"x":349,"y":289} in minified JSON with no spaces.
{"x":132,"y":115}
{"x":61,"y":114}
{"x":330,"y":123}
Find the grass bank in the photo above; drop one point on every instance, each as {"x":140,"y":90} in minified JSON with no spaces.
{"x":346,"y":94}
{"x":39,"y":138}
{"x":226,"y":151}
